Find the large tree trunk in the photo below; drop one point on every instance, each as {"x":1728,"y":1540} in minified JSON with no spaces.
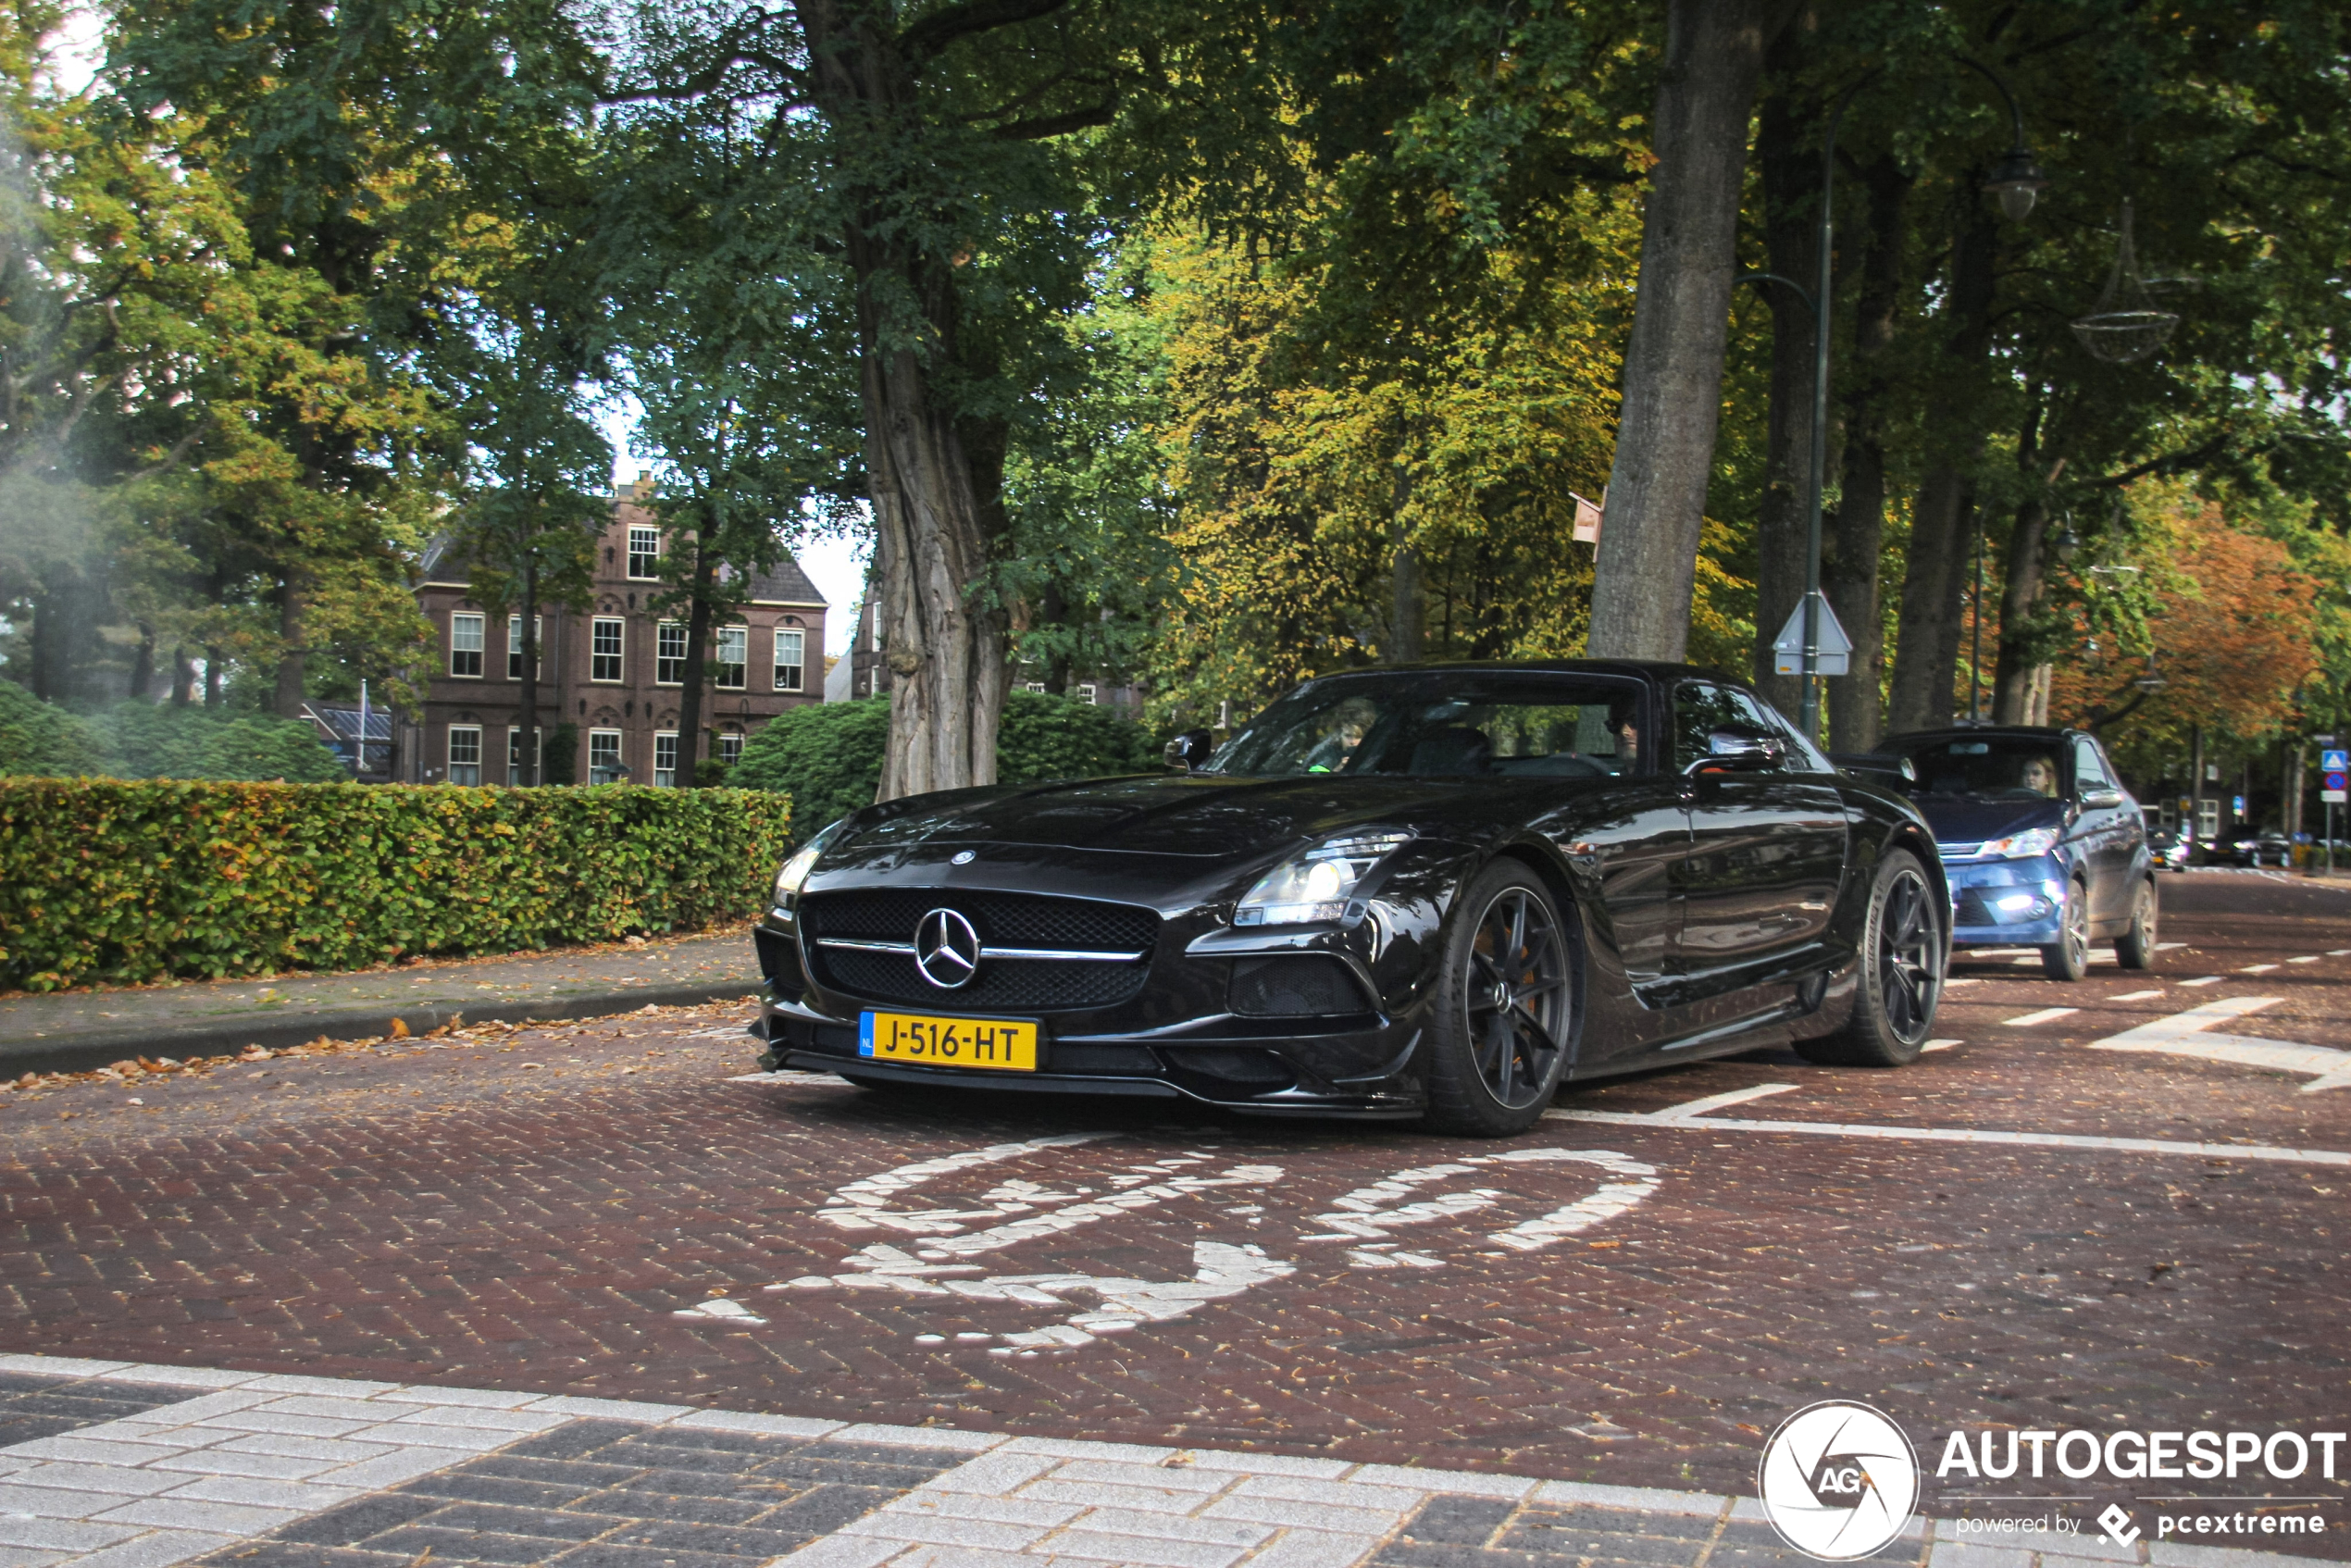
{"x":287,"y":702}
{"x":2020,"y":600}
{"x":1854,"y":545}
{"x":934,"y":478}
{"x":1787,"y":147}
{"x":1926,"y":657}
{"x":1673,"y":363}
{"x":183,"y":677}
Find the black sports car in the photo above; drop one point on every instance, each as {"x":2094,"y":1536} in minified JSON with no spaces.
{"x":1434,"y":891}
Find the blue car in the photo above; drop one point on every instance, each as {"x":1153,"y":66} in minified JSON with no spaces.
{"x":2042,"y":845}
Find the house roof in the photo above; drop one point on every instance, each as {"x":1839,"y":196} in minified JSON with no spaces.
{"x":343,"y":723}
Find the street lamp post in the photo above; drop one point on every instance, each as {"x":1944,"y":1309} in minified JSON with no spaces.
{"x":2017,"y":181}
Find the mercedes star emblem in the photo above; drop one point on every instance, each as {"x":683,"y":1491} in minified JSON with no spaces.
{"x":946,"y":949}
{"x":964,"y":857}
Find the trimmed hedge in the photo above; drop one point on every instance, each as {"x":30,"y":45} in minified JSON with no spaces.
{"x":108,"y":881}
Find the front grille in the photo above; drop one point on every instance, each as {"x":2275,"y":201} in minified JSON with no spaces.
{"x":1294,"y":985}
{"x":891,"y":915}
{"x":1016,"y":985}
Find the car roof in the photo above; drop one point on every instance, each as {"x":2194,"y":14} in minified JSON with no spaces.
{"x":1982,"y":731}
{"x":1656,"y":670}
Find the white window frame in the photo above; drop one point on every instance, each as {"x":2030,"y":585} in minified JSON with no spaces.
{"x":514,"y":754}
{"x":665,"y":778}
{"x":664,"y":660}
{"x":738,"y":638}
{"x":2207,"y":818}
{"x":596,"y":655}
{"x":614,"y":736}
{"x":468,"y":633}
{"x":731,"y":746}
{"x":1086,"y":691}
{"x":636,"y":532}
{"x":514,"y":645}
{"x":797,"y":666}
{"x":465,"y":738}
{"x":1037,"y":686}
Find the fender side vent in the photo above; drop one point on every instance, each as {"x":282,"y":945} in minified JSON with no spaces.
{"x":1294,"y":986}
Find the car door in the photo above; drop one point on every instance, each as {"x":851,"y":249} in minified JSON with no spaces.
{"x":2108,"y":828}
{"x":1766,"y":859}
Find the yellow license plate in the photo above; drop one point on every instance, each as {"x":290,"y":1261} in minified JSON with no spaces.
{"x":1003,"y":1044}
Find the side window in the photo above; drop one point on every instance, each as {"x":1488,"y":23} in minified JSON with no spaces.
{"x":1700,"y":708}
{"x":2089,"y":769}
{"x":1802,"y":756}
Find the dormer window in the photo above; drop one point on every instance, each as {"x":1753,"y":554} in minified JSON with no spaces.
{"x":644,"y":553}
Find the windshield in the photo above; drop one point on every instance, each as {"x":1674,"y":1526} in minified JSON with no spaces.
{"x":1436,"y":724}
{"x":1991,"y":766}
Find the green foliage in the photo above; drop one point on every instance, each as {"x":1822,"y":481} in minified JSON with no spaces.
{"x":561,"y":755}
{"x":144,"y":740}
{"x":827,"y":756}
{"x":102,"y":880}
{"x":38,"y":737}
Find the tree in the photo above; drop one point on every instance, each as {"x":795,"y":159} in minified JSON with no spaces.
{"x":1642,"y":581}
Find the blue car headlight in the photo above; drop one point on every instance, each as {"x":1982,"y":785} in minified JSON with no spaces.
{"x":1315,"y":883}
{"x":2021,"y":846}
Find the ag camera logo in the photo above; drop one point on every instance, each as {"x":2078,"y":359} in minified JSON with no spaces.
{"x":1838,"y":1480}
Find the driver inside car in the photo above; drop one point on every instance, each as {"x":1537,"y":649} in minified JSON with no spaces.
{"x":2040,"y":776}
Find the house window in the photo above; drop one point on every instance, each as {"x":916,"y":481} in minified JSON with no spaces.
{"x":464,"y":749}
{"x":669,"y":655}
{"x":732,"y":653}
{"x":791,"y":659}
{"x":1084,"y":692}
{"x":514,"y":645}
{"x":464,"y":645}
{"x":603,"y":757}
{"x":731,"y":746}
{"x":644,"y":553}
{"x":514,"y":756}
{"x":2208,"y":820}
{"x":604,"y":648}
{"x":666,"y":761}
{"x":1036,"y":686}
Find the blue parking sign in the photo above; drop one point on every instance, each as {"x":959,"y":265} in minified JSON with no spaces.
{"x":2334,"y":760}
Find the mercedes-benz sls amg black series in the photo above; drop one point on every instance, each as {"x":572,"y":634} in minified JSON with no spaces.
{"x":1436,"y":892}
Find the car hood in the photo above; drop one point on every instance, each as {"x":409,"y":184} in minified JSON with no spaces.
{"x":1183,"y":814}
{"x":1964,"y":820}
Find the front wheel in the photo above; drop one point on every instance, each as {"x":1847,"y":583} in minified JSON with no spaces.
{"x":1499,"y":1035}
{"x":2134,"y":948}
{"x":1900,"y":983}
{"x":2068,"y":958}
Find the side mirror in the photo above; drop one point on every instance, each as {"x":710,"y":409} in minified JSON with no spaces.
{"x":2101,"y":800}
{"x":1190,"y":750}
{"x":1733,"y":748}
{"x":1895,"y":771}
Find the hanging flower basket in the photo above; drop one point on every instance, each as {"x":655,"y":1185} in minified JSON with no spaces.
{"x":2125,"y":336}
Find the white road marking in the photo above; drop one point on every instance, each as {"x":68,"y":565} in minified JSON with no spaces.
{"x":1971,"y":1134}
{"x":2312,"y":958}
{"x":2169,"y":947}
{"x":1733,"y":1097}
{"x":1940,"y":1044}
{"x":1996,"y":951}
{"x":2257,"y":968}
{"x":2184,"y":1034}
{"x":2339,"y":951}
{"x":790,"y":1076}
{"x":2208,"y":980}
{"x":2137,"y":996}
{"x":1947,"y":984}
{"x":724,"y":1310}
{"x":2047,"y":1015}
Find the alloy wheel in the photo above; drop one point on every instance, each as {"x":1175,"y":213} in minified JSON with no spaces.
{"x":2077,"y":925}
{"x":1910,"y":957}
{"x":1516,"y":987}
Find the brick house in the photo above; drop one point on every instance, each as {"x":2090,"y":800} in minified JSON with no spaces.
{"x":615,"y":671}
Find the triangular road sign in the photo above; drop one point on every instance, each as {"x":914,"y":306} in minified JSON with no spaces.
{"x":1835,"y":648}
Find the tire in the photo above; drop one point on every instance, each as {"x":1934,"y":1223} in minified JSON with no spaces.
{"x":2134,"y":948}
{"x":1498,"y":1037}
{"x":2068,"y":958}
{"x":1903,"y":950}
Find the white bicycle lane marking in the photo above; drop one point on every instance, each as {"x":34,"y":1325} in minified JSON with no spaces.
{"x":934,"y":1258}
{"x":2188,"y":1034}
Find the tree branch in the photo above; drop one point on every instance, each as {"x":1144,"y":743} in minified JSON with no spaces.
{"x":926,"y":38}
{"x":1057,"y":125}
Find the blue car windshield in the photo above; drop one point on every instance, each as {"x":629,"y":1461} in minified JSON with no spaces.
{"x":1987,"y":767}
{"x":1434,"y":724}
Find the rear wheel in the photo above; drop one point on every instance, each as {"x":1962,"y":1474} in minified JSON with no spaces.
{"x":2134,"y":948}
{"x":2068,"y":958}
{"x":1498,"y":1040}
{"x":1901,"y":973}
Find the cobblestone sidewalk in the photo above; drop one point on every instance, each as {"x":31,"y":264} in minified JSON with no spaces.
{"x":147,"y":1466}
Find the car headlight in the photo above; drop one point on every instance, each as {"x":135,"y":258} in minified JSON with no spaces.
{"x":804,"y":860}
{"x":1315,"y":883}
{"x":2022,"y":846}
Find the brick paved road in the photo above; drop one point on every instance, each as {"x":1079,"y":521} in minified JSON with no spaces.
{"x":536,"y":1211}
